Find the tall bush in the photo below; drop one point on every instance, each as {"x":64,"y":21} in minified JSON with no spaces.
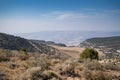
{"x":89,"y":53}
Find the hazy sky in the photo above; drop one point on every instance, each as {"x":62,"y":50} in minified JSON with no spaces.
{"x":23,"y":16}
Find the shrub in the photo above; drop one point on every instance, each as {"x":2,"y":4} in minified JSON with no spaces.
{"x":13,"y":65}
{"x":28,"y":74}
{"x":23,"y":56}
{"x":3,"y":75}
{"x":87,"y":75}
{"x":50,"y":75}
{"x":36,"y":73}
{"x":67,"y":68}
{"x":89,"y":53}
{"x":112,"y":66}
{"x":39,"y":60}
{"x":4,"y":56}
{"x":24,"y":50}
{"x":97,"y":75}
{"x":93,"y":65}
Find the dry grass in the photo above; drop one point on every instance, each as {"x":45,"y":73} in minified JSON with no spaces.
{"x":36,"y":66}
{"x":97,"y":75}
{"x":72,"y":51}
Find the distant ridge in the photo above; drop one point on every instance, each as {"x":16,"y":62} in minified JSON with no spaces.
{"x":48,"y":43}
{"x":112,"y":42}
{"x":106,"y":44}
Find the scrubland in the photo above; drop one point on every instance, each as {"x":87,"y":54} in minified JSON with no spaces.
{"x":17,"y":65}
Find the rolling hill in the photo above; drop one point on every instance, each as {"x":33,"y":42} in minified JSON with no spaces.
{"x":108,"y":45}
{"x":111,"y":42}
{"x":16,"y":43}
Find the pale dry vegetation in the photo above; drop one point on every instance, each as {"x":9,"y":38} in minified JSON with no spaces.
{"x":15,"y":65}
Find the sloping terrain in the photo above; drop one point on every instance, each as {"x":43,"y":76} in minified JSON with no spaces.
{"x":58,"y":62}
{"x":110,"y":46}
{"x":110,"y":42}
{"x":74,"y":51}
{"x":16,"y":43}
{"x":16,"y":65}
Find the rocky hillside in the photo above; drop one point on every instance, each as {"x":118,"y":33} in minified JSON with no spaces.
{"x":16,"y":43}
{"x":112,"y":42}
{"x":105,"y":44}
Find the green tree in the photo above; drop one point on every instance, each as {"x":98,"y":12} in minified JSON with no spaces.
{"x":89,"y":53}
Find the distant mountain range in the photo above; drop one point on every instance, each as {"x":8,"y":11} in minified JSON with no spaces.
{"x":69,"y":38}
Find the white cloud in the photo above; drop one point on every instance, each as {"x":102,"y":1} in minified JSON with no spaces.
{"x":64,"y":16}
{"x":72,"y":16}
{"x":61,"y":20}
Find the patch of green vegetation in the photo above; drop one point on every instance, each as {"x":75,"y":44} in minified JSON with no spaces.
{"x":89,"y":53}
{"x":24,"y":50}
